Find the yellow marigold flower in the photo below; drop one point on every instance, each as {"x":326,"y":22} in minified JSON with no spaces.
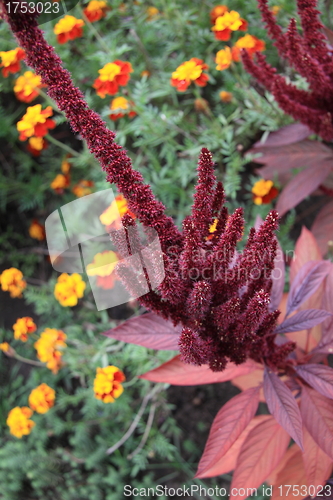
{"x":41,"y":399}
{"x":37,"y":231}
{"x":12,"y":281}
{"x":4,"y":347}
{"x":113,"y":214}
{"x":18,"y":421}
{"x":10,"y":61}
{"x":121,"y":103}
{"x":49,"y":348}
{"x":112,"y":76}
{"x":188,"y":72}
{"x":68,"y":28}
{"x":60,"y":182}
{"x":275,"y":10}
{"x":223,"y":59}
{"x":152,"y":12}
{"x":107,"y":383}
{"x":35,"y":122}
{"x":264,"y":192}
{"x":95,"y":10}
{"x":23,"y":327}
{"x":69,"y":289}
{"x":217,"y":11}
{"x":37,"y":144}
{"x":225,"y":96}
{"x":249,"y":42}
{"x":83,"y":188}
{"x":26,"y":85}
{"x":229,"y":20}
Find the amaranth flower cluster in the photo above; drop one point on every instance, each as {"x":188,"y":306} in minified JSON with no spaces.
{"x":219,"y":296}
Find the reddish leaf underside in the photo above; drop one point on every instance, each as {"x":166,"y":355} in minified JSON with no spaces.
{"x":292,"y":474}
{"x":260,"y":454}
{"x":148,"y":330}
{"x":318,"y":465}
{"x":285,"y":135}
{"x":303,"y":320}
{"x":177,"y":372}
{"x":283,"y":406}
{"x":327,"y":303}
{"x":322,"y":227}
{"x":228,"y":462}
{"x":303,"y":184}
{"x":228,"y":425}
{"x":317,"y":415}
{"x":320,"y":377}
{"x":306,"y":249}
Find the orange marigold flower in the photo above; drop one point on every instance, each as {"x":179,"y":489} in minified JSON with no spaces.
{"x":225,"y":24}
{"x":121,"y":103}
{"x":12,"y":281}
{"x":68,"y":28}
{"x":83,"y":188}
{"x":18,"y":421}
{"x":26,"y":85}
{"x":41,"y":399}
{"x":36,"y":145}
{"x":49,"y":348}
{"x":4,"y":347}
{"x":152,"y":12}
{"x":60,"y":182}
{"x":65,"y":164}
{"x":95,"y":10}
{"x":112,"y":215}
{"x":10,"y":61}
{"x":188,"y":72}
{"x":35,"y":122}
{"x":145,"y":72}
{"x":217,"y":11}
{"x":36,"y":230}
{"x":249,"y":42}
{"x":223,"y":59}
{"x":226,"y":96}
{"x":112,"y":75}
{"x":264,"y":192}
{"x":23,"y":327}
{"x":107,"y":383}
{"x":202,"y":105}
{"x":103,"y":266}
{"x":275,"y":10}
{"x":68,"y":289}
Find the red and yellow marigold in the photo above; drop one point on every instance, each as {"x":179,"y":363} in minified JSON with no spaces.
{"x":95,"y":10}
{"x":60,"y":182}
{"x":227,"y":23}
{"x":121,"y":103}
{"x":223,"y":59}
{"x":12,"y":281}
{"x":102,"y":267}
{"x":112,"y":76}
{"x":42,"y":398}
{"x":111,"y":217}
{"x":49,"y":348}
{"x":35,"y":122}
{"x":37,"y":230}
{"x":82,"y":188}
{"x":249,"y":42}
{"x":188,"y":72}
{"x":24,"y":327}
{"x":68,"y":28}
{"x":69,"y":289}
{"x":264,"y":192}
{"x":217,"y":11}
{"x":36,"y":145}
{"x":10,"y":61}
{"x":26,"y":85}
{"x":18,"y":421}
{"x":107,"y":383}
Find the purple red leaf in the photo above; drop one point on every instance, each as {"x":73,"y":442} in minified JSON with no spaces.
{"x":260,"y":454}
{"x":303,"y":320}
{"x":286,"y":135}
{"x":317,"y":464}
{"x":322,"y":227}
{"x":283,"y":406}
{"x":320,"y":377}
{"x":228,"y":425}
{"x":148,"y":330}
{"x":177,"y":372}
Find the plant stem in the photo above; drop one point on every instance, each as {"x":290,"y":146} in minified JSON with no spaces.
{"x":61,"y":145}
{"x":95,"y":32}
{"x":28,"y":361}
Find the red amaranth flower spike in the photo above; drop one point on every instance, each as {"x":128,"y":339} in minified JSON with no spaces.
{"x":220,"y":297}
